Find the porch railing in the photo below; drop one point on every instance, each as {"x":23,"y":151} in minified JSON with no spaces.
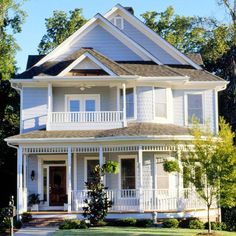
{"x":147,"y":200}
{"x":85,"y":117}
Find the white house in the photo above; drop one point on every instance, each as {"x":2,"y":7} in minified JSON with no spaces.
{"x":114,"y":90}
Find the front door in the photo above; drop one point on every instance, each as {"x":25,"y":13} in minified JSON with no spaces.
{"x":57,"y":185}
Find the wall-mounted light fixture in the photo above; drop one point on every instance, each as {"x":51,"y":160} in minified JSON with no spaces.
{"x":32,"y":175}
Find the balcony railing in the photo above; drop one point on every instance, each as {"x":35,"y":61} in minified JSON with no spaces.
{"x":85,"y":120}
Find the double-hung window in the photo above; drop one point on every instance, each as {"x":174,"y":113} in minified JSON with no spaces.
{"x":160,"y":102}
{"x":128,"y":173}
{"x":195,"y":108}
{"x":129,"y":102}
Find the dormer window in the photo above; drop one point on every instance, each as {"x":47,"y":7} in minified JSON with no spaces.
{"x":119,"y":22}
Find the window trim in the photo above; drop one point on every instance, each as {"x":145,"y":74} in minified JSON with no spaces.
{"x":120,"y":157}
{"x":86,"y":166}
{"x":135,"y":102}
{"x":122,"y":22}
{"x":83,"y":97}
{"x":186,"y":123}
{"x":169,"y":106}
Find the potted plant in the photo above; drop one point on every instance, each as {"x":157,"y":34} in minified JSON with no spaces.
{"x":34,"y":202}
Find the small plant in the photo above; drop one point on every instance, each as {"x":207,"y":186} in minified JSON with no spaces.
{"x":216,"y":226}
{"x":184,"y":223}
{"x":171,"y":223}
{"x":33,"y":199}
{"x":70,"y":224}
{"x":126,"y":222}
{"x":83,"y":225}
{"x":171,"y":166}
{"x":111,"y":167}
{"x":26,"y":217}
{"x":196,"y":224}
{"x":144,"y":223}
{"x":17,"y":224}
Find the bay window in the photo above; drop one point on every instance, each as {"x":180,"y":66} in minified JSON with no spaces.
{"x":160,"y":102}
{"x":129,"y":102}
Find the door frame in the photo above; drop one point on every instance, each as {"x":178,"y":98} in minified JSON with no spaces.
{"x":82,"y":98}
{"x":42,"y":166}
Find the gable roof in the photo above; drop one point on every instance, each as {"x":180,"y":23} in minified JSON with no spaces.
{"x":151,"y":34}
{"x":196,"y":57}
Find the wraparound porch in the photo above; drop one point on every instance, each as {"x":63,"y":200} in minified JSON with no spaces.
{"x":146,"y":194}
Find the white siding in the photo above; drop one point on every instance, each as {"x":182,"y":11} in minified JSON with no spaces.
{"x":105,"y":43}
{"x":34,"y":111}
{"x":144,"y":103}
{"x":148,"y":44}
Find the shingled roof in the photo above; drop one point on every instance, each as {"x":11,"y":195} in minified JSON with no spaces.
{"x":133,"y":129}
{"x":120,"y":68}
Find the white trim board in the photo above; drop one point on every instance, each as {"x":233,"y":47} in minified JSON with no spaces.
{"x":150,"y":34}
{"x":107,"y":25}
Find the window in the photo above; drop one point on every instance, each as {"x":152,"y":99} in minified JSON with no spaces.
{"x":195,"y":107}
{"x":90,"y":167}
{"x":74,"y":105}
{"x":90,"y":105}
{"x":119,"y":22}
{"x":129,"y":102}
{"x":128,"y":173}
{"x":160,"y":102}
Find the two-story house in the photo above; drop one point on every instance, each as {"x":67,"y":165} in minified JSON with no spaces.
{"x":114,"y":90}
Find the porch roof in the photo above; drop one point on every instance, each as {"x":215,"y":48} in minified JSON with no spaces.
{"x":133,"y":130}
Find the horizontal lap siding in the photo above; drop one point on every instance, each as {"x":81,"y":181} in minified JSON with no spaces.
{"x":32,"y":165}
{"x":34,"y":110}
{"x":105,"y":43}
{"x":148,"y":171}
{"x":148,"y":44}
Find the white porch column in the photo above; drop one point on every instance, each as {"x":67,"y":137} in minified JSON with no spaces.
{"x":19,"y":181}
{"x":25,"y":183}
{"x":74,"y":197}
{"x":140,"y":171}
{"x":50,"y":105}
{"x":69,"y":175}
{"x":101,"y":159}
{"x":124,"y":104}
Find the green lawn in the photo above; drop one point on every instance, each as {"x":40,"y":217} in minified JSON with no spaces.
{"x":129,"y":231}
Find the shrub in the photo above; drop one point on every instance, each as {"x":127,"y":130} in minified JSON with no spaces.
{"x":196,"y":224}
{"x":125,"y":222}
{"x":17,"y":224}
{"x":229,"y":218}
{"x":70,"y":224}
{"x":144,"y":223}
{"x":171,"y":223}
{"x":216,"y":226}
{"x":184,"y":223}
{"x":26,"y":217}
{"x":83,"y":225}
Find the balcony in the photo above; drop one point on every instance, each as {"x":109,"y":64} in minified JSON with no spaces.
{"x":99,"y":120}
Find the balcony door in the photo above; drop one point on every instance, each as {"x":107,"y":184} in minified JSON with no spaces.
{"x":83,"y":103}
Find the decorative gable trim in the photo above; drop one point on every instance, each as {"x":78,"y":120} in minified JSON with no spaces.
{"x":150,"y":33}
{"x":80,"y":59}
{"x":106,"y":24}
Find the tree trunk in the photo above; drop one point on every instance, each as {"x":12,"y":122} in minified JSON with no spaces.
{"x":208,"y":219}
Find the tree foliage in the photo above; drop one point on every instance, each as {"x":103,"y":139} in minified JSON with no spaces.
{"x":97,"y":200}
{"x":211,"y":165}
{"x":11,"y":19}
{"x":59,"y":27}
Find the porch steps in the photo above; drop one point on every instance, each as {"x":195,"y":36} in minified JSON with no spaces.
{"x":44,"y":222}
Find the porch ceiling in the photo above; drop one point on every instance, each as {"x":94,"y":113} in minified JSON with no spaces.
{"x":132,"y":131}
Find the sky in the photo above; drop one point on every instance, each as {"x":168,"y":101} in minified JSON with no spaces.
{"x":38,"y":10}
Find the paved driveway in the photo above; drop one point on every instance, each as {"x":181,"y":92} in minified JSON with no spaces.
{"x":36,"y":231}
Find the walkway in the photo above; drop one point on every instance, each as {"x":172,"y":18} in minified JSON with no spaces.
{"x":36,"y":231}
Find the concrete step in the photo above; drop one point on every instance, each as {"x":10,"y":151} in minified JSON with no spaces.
{"x":44,"y":222}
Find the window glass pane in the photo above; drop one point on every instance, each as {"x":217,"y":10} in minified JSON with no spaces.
{"x":129,"y":102}
{"x":45,"y":184}
{"x":128,"y":173}
{"x":195,"y":108}
{"x":74,"y":105}
{"x":160,"y":102}
{"x":90,"y":167}
{"x":90,"y":105}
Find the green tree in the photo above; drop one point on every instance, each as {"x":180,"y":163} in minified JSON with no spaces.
{"x":11,"y":19}
{"x":211,"y":165}
{"x":97,"y":200}
{"x":59,"y":27}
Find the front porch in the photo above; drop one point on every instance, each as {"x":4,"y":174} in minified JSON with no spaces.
{"x":141,"y":186}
